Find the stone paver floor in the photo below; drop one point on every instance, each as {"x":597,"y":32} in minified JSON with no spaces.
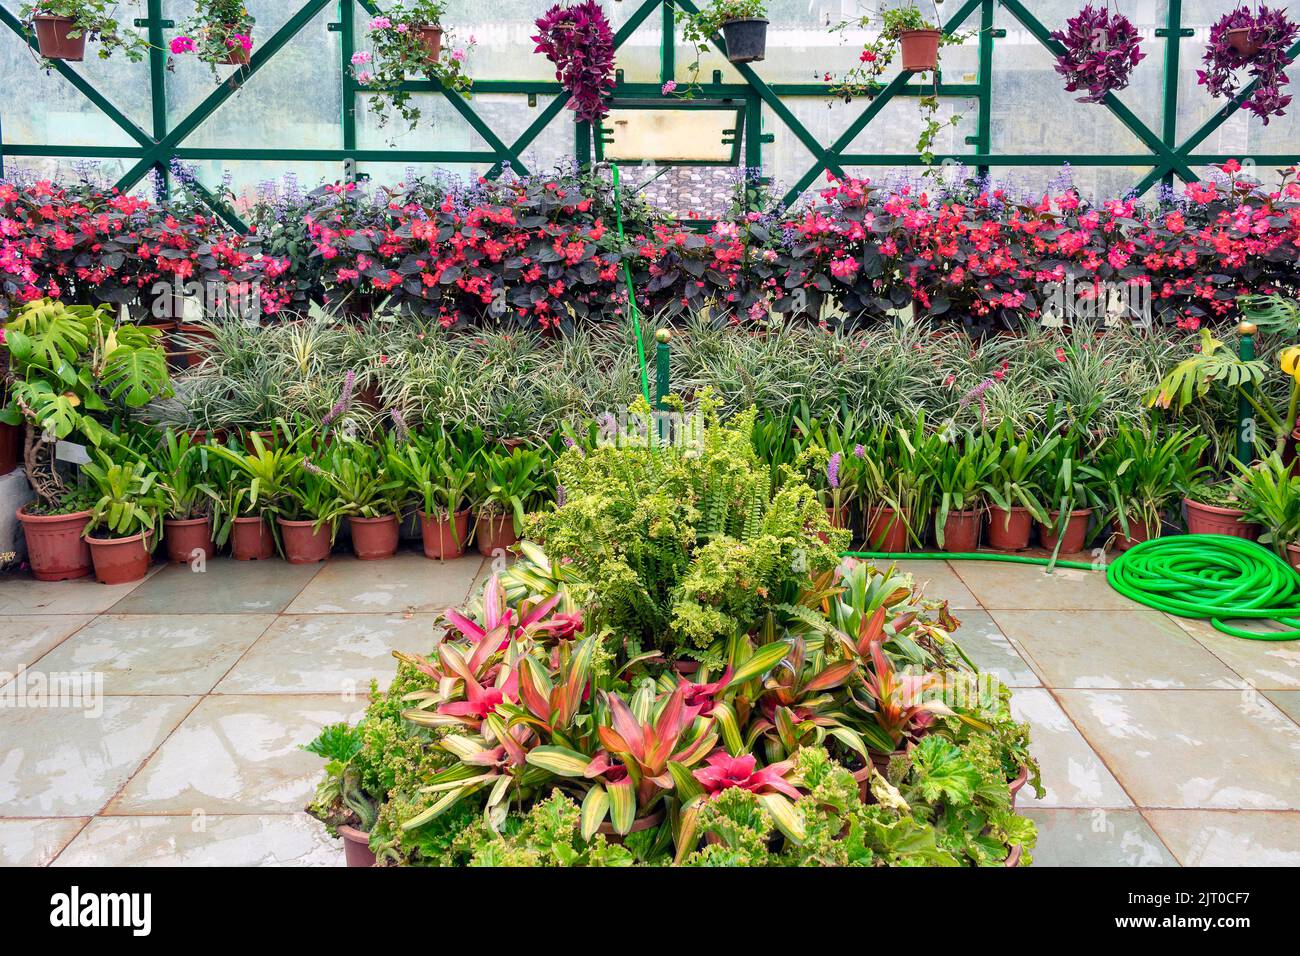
{"x":1162,"y":742}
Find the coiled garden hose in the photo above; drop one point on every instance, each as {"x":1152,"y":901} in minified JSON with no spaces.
{"x":1212,"y":577}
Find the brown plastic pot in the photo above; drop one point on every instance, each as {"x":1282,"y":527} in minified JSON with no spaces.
{"x":920,"y":49}
{"x":56,"y":549}
{"x":1239,"y":40}
{"x":374,"y":538}
{"x":961,"y":531}
{"x":356,"y":846}
{"x":1009,"y":530}
{"x":251,"y":539}
{"x":1210,"y":519}
{"x":839,"y":518}
{"x":304,"y":542}
{"x":120,"y":560}
{"x":237,"y":56}
{"x":886,"y":530}
{"x":268,"y":440}
{"x":1073,"y":537}
{"x":431,"y":39}
{"x":1293,"y":555}
{"x":439,"y":541}
{"x":53,"y":41}
{"x":185,"y":536}
{"x":495,"y":533}
{"x":1138,"y":531}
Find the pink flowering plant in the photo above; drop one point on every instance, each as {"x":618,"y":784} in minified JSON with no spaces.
{"x":93,"y":19}
{"x":1261,"y":52}
{"x":1101,"y":49}
{"x":407,"y":42}
{"x":219,"y":33}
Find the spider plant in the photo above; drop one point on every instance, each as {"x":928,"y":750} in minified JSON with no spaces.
{"x":1143,"y":472}
{"x":961,"y":467}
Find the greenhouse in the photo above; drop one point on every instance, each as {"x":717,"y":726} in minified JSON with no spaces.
{"x":650,"y":433}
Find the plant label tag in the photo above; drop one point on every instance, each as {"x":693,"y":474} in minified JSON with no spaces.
{"x":70,"y":451}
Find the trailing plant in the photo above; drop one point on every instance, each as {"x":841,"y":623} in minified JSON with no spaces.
{"x":219,"y":32}
{"x":1101,"y":49}
{"x":95,"y":20}
{"x":1270,"y":34}
{"x":578,"y":39}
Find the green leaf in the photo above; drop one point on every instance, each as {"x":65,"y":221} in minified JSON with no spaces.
{"x":595,"y":807}
{"x":558,"y":760}
{"x":761,"y":661}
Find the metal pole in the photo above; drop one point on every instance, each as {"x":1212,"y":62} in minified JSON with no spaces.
{"x":663,"y":337}
{"x":1246,"y":424}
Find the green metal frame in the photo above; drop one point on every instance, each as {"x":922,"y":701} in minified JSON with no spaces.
{"x":157,"y":147}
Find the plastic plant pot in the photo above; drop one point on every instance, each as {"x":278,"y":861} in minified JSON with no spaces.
{"x":886,"y":530}
{"x":920,"y":49}
{"x":120,"y":560}
{"x":1239,"y":40}
{"x":746,"y":39}
{"x":1073,"y":537}
{"x":56,"y":549}
{"x":961,"y":531}
{"x":1009,"y":530}
{"x":53,"y":41}
{"x":187,"y":538}
{"x":251,"y":540}
{"x":431,"y":40}
{"x":495,"y":533}
{"x":304,"y":541}
{"x":1138,"y":531}
{"x":1211,"y":519}
{"x":356,"y":847}
{"x":238,"y":56}
{"x":374,"y":539}
{"x":440,"y":543}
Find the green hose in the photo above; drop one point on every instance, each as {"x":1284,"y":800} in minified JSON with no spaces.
{"x":1203,"y":576}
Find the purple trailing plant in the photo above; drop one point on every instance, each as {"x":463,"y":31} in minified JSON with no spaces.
{"x":1270,"y":35}
{"x":1101,"y":50}
{"x":579,"y":41}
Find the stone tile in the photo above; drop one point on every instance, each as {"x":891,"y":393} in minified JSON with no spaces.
{"x":236,"y":755}
{"x":1288,"y":701}
{"x":225,"y":587}
{"x":1269,"y":665}
{"x":1230,"y":837}
{"x":1073,"y":775}
{"x":25,"y":639}
{"x":36,"y":842}
{"x":1030,"y":587}
{"x":938,"y":579}
{"x":61,"y":761}
{"x":279,"y":840}
{"x":406,"y":582}
{"x":158,"y":654}
{"x":986,"y":645}
{"x":1098,"y":649}
{"x":1096,"y":838}
{"x":1191,"y":749}
{"x":329,"y":654}
{"x":20,"y":594}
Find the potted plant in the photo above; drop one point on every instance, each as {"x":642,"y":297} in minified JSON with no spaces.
{"x":256,"y":487}
{"x":1070,"y":488}
{"x":123,"y":521}
{"x":1101,"y":49}
{"x":1258,"y":40}
{"x":367,"y":491}
{"x":341,"y":801}
{"x":67,"y":365}
{"x":580,"y":42}
{"x":509,"y":486}
{"x":182,"y":467}
{"x":220,"y":33}
{"x":1215,"y":508}
{"x":440,"y":473}
{"x":62,"y":26}
{"x":309,"y":513}
{"x":1014,"y":490}
{"x":1269,"y":494}
{"x":408,"y":38}
{"x":1144,"y":474}
{"x":960,"y":470}
{"x":895,"y":486}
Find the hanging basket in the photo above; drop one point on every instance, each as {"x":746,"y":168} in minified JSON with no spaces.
{"x":920,"y":49}
{"x":237,"y":56}
{"x":1239,"y":40}
{"x":431,"y":40}
{"x":53,"y":41}
{"x":746,"y":39}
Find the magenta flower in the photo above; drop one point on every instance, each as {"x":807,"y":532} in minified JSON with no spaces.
{"x":725,"y":771}
{"x":182,"y":45}
{"x":669,"y":87}
{"x":833,"y":470}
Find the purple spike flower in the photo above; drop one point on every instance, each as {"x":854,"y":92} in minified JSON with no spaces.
{"x":344,"y":402}
{"x":833,"y":470}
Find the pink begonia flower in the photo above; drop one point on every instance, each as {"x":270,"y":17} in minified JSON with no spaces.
{"x":361,"y":57}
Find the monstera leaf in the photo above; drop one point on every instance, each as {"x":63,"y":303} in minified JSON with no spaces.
{"x":51,"y":336}
{"x":135,"y":374}
{"x":58,"y":413}
{"x":1272,"y":313}
{"x":1192,"y":378}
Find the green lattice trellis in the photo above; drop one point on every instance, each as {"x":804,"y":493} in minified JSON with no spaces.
{"x":1166,"y":157}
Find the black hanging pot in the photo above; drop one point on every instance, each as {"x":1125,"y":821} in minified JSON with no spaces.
{"x":746,"y":39}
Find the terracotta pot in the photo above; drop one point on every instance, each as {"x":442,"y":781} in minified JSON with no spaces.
{"x":251,"y":540}
{"x":1018,"y":783}
{"x":746,"y":39}
{"x":120,"y":560}
{"x":495,"y":533}
{"x":1075,"y":535}
{"x":961,"y":531}
{"x":838,"y":518}
{"x":11,"y":440}
{"x":1208,"y":519}
{"x":685,"y":667}
{"x":356,"y":846}
{"x":304,"y":542}
{"x":53,"y":40}
{"x":886,"y":530}
{"x":920,"y":49}
{"x":56,"y":549}
{"x":648,"y":822}
{"x":1138,"y":531}
{"x":268,"y":440}
{"x":237,"y":56}
{"x":439,"y":542}
{"x":199,"y":436}
{"x":1009,"y":531}
{"x":184,"y":536}
{"x":431,"y":40}
{"x":1239,"y":40}
{"x":1293,"y":555}
{"x":374,"y":538}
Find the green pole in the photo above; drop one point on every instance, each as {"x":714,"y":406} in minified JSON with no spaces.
{"x":1246,"y":424}
{"x":662,"y":339}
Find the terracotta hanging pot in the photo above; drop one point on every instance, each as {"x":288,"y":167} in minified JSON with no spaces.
{"x":120,"y":560}
{"x":53,"y":41}
{"x":237,"y":56}
{"x":495,"y":533}
{"x":56,"y":548}
{"x":920,"y":49}
{"x":374,"y":538}
{"x":186,"y":538}
{"x":1239,"y":40}
{"x":304,"y":542}
{"x":440,"y":542}
{"x":1075,"y":535}
{"x":251,"y":539}
{"x":1009,"y":530}
{"x":431,"y":40}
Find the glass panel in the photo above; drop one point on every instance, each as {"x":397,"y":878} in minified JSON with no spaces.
{"x":668,"y":135}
